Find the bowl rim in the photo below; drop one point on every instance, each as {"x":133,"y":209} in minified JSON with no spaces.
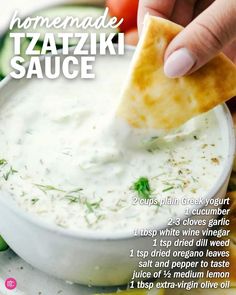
{"x":127,"y":234}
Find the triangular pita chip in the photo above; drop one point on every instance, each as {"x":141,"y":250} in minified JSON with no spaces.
{"x":152,"y":100}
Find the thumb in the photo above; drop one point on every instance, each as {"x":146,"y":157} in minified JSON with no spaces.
{"x":202,"y":39}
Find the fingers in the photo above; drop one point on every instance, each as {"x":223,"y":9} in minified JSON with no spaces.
{"x":202,"y":39}
{"x":230,"y":51}
{"x":154,"y":7}
{"x":183,"y":12}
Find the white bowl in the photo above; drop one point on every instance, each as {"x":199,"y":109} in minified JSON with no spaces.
{"x":90,"y":258}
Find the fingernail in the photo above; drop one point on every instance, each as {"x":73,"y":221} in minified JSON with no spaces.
{"x":179,"y":63}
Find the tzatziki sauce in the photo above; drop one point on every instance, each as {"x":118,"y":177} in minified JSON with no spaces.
{"x":66,"y":158}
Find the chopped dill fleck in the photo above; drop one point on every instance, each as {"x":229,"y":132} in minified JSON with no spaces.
{"x":154,"y":137}
{"x":45,"y":188}
{"x":100,"y":217}
{"x":150,"y":151}
{"x":195,"y":137}
{"x":87,"y":221}
{"x":167,"y":189}
{"x":3,"y":162}
{"x":142,"y":187}
{"x":194,"y":179}
{"x":76,"y":190}
{"x":34,"y":201}
{"x":151,"y":144}
{"x":10,"y":172}
{"x":72,"y":199}
{"x":92,"y":206}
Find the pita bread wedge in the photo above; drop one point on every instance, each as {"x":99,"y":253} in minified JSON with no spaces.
{"x":152,"y":100}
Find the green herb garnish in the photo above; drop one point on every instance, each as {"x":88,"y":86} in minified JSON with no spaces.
{"x":77,"y":190}
{"x":92,"y":206}
{"x":142,"y":187}
{"x":168,"y":189}
{"x":34,"y":201}
{"x":45,"y":188}
{"x":72,"y":199}
{"x":194,"y":179}
{"x":72,"y":196}
{"x":154,"y":138}
{"x":87,"y":221}
{"x":3,"y":162}
{"x":10,"y":172}
{"x":151,"y":144}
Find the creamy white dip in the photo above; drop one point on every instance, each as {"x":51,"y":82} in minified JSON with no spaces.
{"x":65,"y":159}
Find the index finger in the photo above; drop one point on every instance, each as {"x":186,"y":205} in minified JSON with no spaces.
{"x":154,"y":7}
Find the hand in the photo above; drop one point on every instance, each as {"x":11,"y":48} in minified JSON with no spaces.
{"x":210,"y":27}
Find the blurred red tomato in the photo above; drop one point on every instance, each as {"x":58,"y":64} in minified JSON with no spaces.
{"x":131,"y":37}
{"x":126,"y":9}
